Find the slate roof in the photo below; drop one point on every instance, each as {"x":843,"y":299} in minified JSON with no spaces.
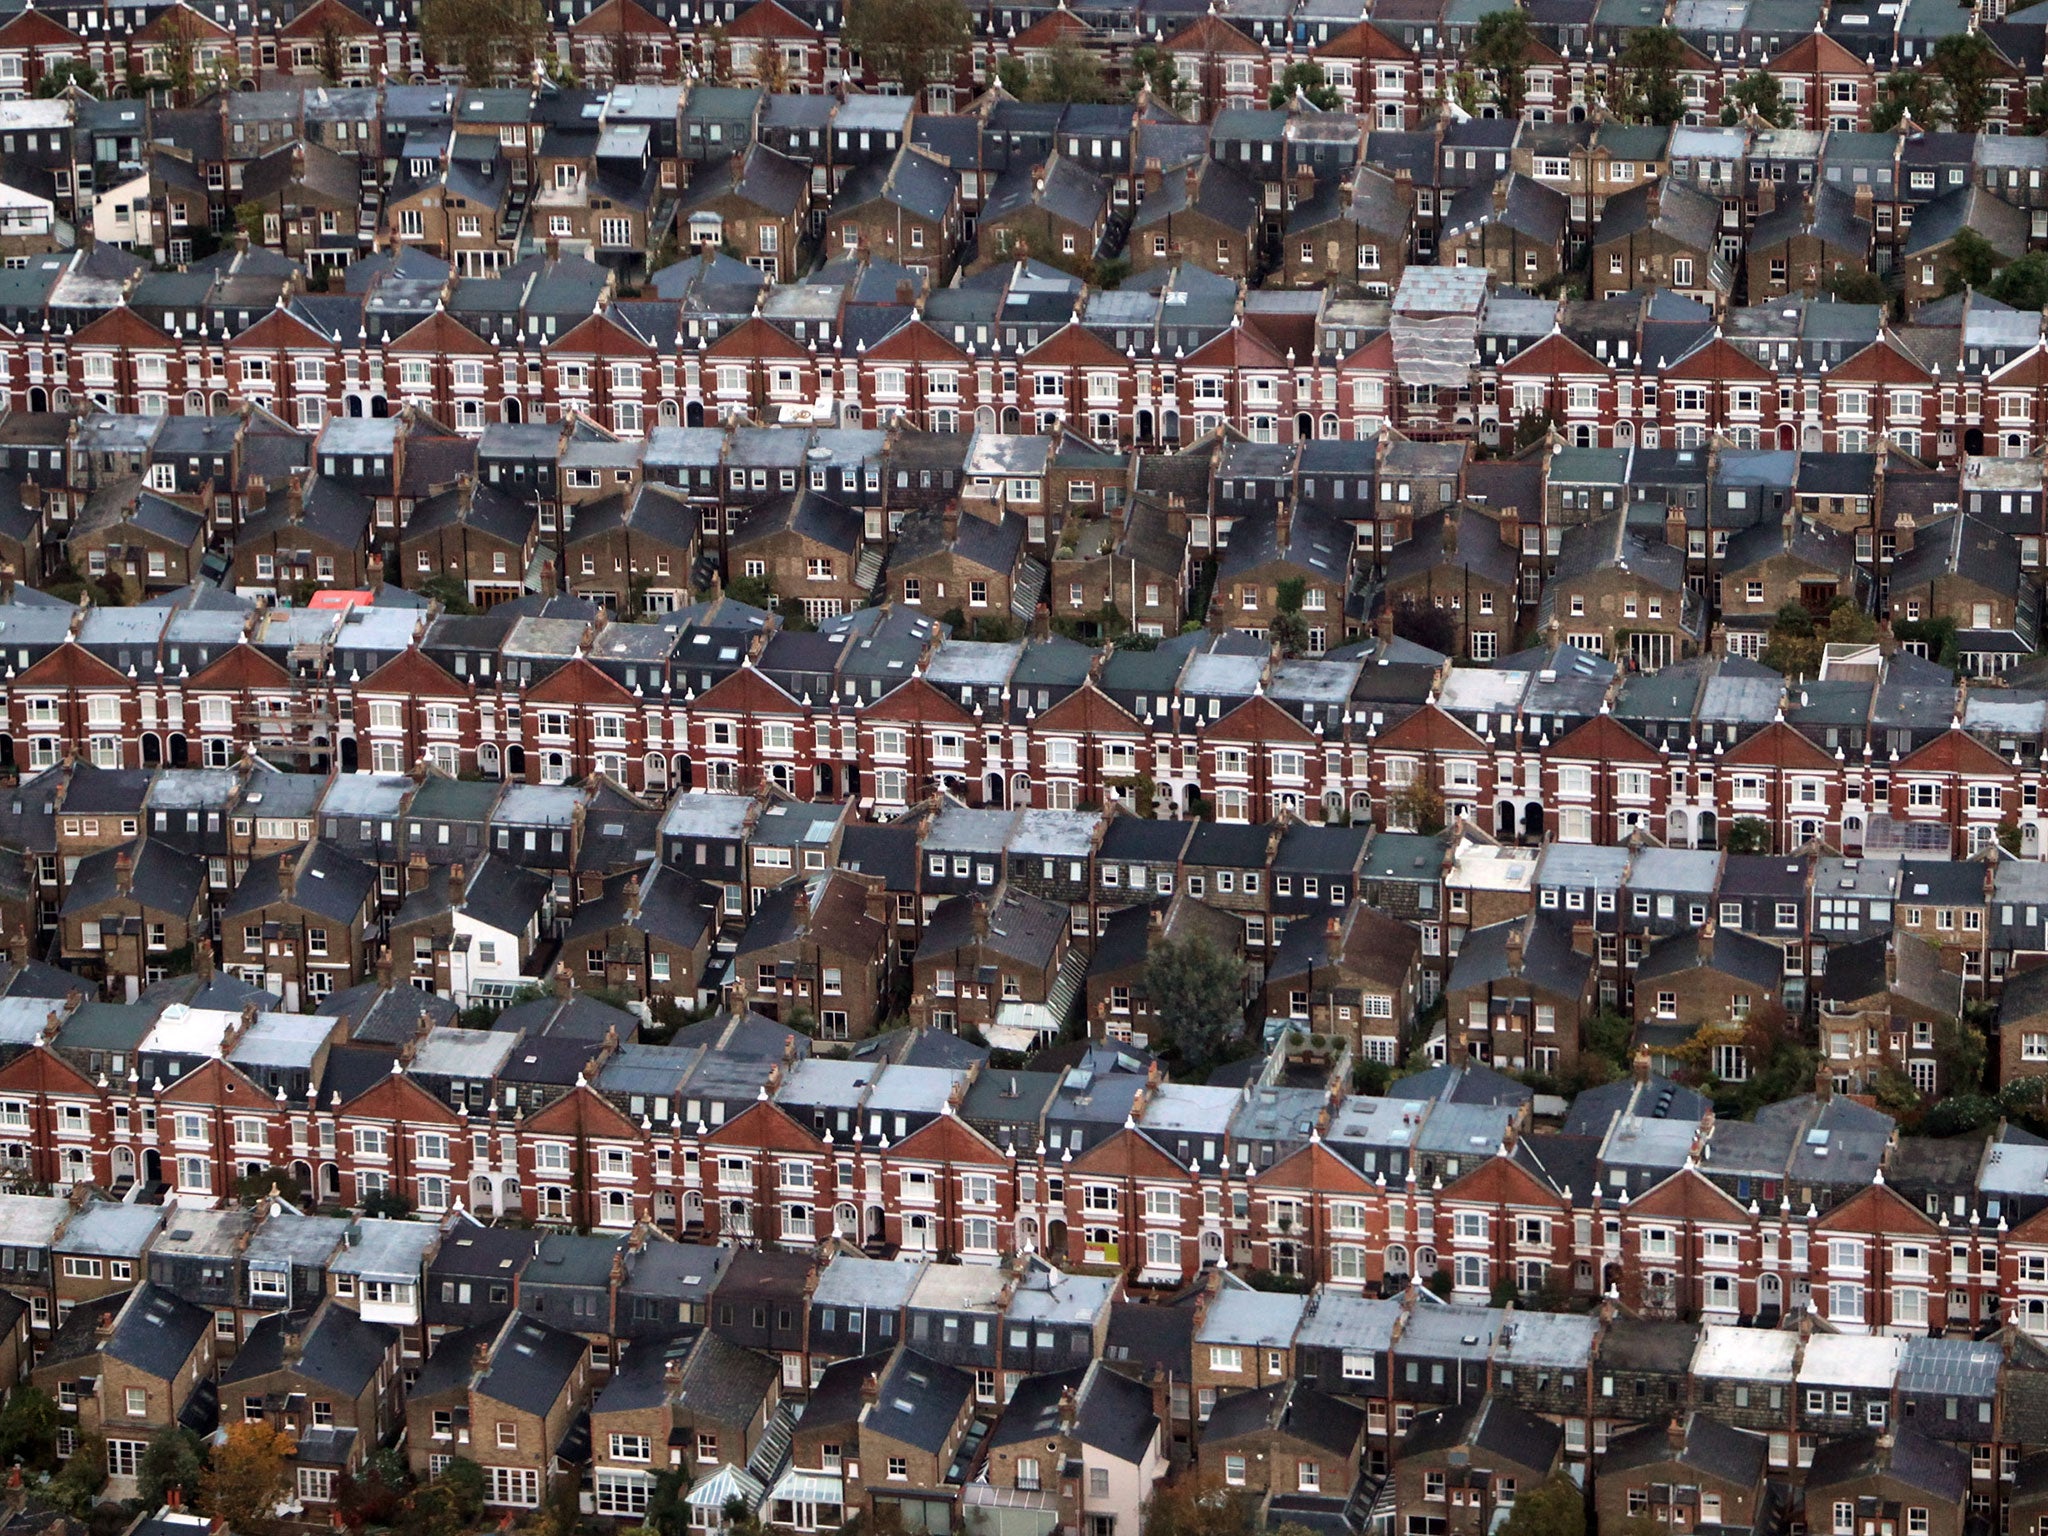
{"x":1290,"y":1408}
{"x":1941,"y":1470}
{"x":1021,"y":926}
{"x":1708,"y":1446}
{"x":337,"y":1348}
{"x":1548,"y":959}
{"x":1491,"y":1424}
{"x":530,"y":1365}
{"x":920,"y":1401}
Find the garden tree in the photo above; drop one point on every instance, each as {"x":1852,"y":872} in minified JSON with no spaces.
{"x":251,"y":1187}
{"x":1287,"y":628}
{"x":1198,"y":1504}
{"x":1857,"y":285}
{"x":388,"y":1204}
{"x":28,"y":1429}
{"x":2023,"y":283}
{"x":1960,"y":1048}
{"x":76,"y":1488}
{"x":330,"y":50}
{"x":1067,"y":72}
{"x":1967,"y":64}
{"x":175,"y":1459}
{"x":1974,"y":262}
{"x":1895,"y":1093}
{"x":1427,"y":625}
{"x":1911,"y":93}
{"x":1531,"y":427}
{"x":1797,"y":640}
{"x":1556,"y":1508}
{"x":623,"y":49}
{"x":2037,"y":109}
{"x":1757,"y":92}
{"x":246,"y":1477}
{"x":374,"y":1495}
{"x":64,"y":74}
{"x":1420,"y":807}
{"x":1500,"y":45}
{"x":1306,"y":76}
{"x":668,"y":1512}
{"x":1648,"y":75}
{"x":177,"y":50}
{"x":477,"y":35}
{"x":1154,"y":67}
{"x":1748,"y":834}
{"x":1198,"y":992}
{"x":1609,"y":1038}
{"x":912,"y":42}
{"x":1781,"y":1063}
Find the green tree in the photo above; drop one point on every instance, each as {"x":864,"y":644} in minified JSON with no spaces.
{"x":1960,"y":1047}
{"x":1531,"y":427}
{"x":912,"y":42}
{"x":1757,"y":93}
{"x":252,"y":1187}
{"x":1556,"y":1508}
{"x":1610,"y":1035}
{"x":464,"y":1481}
{"x":1500,"y":46}
{"x":1749,"y":834}
{"x":1287,"y":628}
{"x":77,"y":1487}
{"x":1198,"y":991}
{"x":668,"y":1511}
{"x":174,"y":1459}
{"x":1967,"y":64}
{"x":1857,"y":285}
{"x":388,"y":1204}
{"x":330,"y":51}
{"x":1909,"y":92}
{"x":1306,"y":76}
{"x":2023,"y":283}
{"x":64,"y":74}
{"x":1973,"y":262}
{"x":754,"y":591}
{"x":28,"y":1429}
{"x":485,"y":39}
{"x":1067,"y":72}
{"x":1647,"y":75}
{"x":1198,"y":1504}
{"x":1156,"y":68}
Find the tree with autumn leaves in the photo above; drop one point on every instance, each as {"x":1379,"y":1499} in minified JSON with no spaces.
{"x":247,"y":1476}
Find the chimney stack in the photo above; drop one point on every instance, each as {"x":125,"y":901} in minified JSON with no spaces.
{"x":124,"y":873}
{"x":1450,"y":533}
{"x":1514,"y":950}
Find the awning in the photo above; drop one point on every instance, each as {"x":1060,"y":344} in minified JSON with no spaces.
{"x":800,"y":1487}
{"x":728,"y":1482}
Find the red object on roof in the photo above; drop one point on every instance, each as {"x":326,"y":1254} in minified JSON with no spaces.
{"x":342,"y":599}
